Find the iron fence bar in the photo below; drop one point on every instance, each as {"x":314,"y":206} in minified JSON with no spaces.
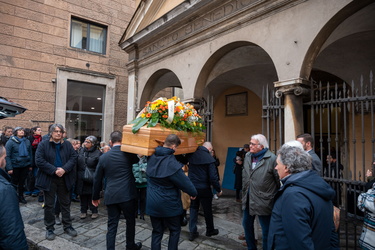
{"x":354,"y":135}
{"x":321,"y":109}
{"x":363,"y":132}
{"x":329,"y":110}
{"x":312,"y":116}
{"x":274,"y":119}
{"x":372,"y":124}
{"x":264,"y":104}
{"x":268,"y":112}
{"x":337,"y":145}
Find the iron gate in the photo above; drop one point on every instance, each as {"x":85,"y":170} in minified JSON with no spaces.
{"x":272,"y":119}
{"x":340,"y":117}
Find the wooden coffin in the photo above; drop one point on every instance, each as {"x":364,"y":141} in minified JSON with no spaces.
{"x":146,"y":140}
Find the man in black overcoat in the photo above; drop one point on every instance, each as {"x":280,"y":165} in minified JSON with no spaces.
{"x":120,"y":191}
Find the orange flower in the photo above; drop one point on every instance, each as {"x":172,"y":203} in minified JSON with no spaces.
{"x":165,"y":116}
{"x":148,"y":115}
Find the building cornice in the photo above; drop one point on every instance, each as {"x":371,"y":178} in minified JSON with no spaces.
{"x":197,"y":17}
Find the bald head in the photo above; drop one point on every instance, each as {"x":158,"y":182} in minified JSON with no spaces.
{"x":208,"y":145}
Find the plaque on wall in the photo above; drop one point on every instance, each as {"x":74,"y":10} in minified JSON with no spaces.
{"x":236,"y":104}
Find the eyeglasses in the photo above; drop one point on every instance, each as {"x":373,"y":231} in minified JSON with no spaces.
{"x":253,"y":144}
{"x":57,"y":131}
{"x":88,"y":142}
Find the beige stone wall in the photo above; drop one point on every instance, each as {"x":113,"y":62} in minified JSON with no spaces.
{"x":234,"y":131}
{"x":34,"y":42}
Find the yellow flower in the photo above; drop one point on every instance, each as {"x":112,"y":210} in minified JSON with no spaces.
{"x":143,"y":115}
{"x":182,"y":122}
{"x":153,"y":106}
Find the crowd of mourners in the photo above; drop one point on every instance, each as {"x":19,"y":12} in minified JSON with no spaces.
{"x":285,"y":193}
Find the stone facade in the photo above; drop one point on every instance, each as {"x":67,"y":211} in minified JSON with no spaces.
{"x":214,"y":49}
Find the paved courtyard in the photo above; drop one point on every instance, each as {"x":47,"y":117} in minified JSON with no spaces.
{"x":92,"y":233}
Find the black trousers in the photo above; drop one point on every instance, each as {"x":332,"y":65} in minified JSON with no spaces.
{"x":158,"y":226}
{"x":141,"y":204}
{"x":203,"y":198}
{"x":18,"y":179}
{"x":86,"y":203}
{"x":128,"y":208}
{"x":57,"y":188}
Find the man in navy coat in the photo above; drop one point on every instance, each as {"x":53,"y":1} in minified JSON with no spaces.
{"x":203,"y":175}
{"x":120,"y":191}
{"x":165,"y":180}
{"x":12,"y":235}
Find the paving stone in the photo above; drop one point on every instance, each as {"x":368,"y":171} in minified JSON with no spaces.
{"x":92,"y":233}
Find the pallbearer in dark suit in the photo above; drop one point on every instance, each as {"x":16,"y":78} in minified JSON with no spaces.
{"x":120,"y":191}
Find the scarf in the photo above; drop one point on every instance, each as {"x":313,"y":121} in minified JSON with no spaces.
{"x":58,"y":161}
{"x":259,"y":156}
{"x":22,"y":149}
{"x":37,"y":140}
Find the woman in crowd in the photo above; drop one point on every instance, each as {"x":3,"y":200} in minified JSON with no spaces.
{"x":35,"y":138}
{"x":366,"y":203}
{"x":88,"y":159}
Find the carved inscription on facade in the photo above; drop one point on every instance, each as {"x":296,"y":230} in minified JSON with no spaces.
{"x":200,"y":23}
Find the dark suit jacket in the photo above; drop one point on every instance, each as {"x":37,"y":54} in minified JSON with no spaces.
{"x":116,"y":167}
{"x":316,"y":162}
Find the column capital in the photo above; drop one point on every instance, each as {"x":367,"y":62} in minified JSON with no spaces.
{"x":297,"y":86}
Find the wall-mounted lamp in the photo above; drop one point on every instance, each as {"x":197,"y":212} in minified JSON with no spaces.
{"x":53,"y":80}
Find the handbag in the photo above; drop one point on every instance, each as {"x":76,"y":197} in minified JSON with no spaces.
{"x":88,"y":175}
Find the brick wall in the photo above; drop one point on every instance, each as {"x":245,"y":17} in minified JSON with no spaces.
{"x":34,"y":41}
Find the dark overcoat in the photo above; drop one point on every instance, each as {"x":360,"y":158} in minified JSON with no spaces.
{"x":165,"y":180}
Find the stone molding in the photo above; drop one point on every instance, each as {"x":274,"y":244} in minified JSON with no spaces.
{"x":298,"y":87}
{"x":167,"y":31}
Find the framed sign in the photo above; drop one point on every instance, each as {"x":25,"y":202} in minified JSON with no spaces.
{"x":236,"y":104}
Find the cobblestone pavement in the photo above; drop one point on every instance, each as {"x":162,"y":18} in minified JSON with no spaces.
{"x":92,"y":233}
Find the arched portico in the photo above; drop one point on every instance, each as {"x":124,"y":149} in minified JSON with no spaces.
{"x":225,"y":50}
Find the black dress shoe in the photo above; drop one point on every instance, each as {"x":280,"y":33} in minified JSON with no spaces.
{"x":137,"y":246}
{"x":212,"y":232}
{"x":184,"y":221}
{"x":71,"y":231}
{"x":22,"y":199}
{"x":193,"y":236}
{"x":50,"y":235}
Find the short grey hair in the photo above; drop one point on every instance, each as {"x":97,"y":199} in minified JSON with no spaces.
{"x":261,"y":139}
{"x":207,"y":145}
{"x":294,"y":158}
{"x":56,"y":125}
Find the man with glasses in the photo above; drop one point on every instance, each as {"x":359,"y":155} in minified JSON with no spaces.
{"x":56,"y":159}
{"x":260,"y":183}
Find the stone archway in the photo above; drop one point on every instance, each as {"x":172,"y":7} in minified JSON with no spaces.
{"x":234,"y":74}
{"x":160,"y":80}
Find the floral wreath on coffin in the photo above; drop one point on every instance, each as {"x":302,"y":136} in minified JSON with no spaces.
{"x":169,"y":113}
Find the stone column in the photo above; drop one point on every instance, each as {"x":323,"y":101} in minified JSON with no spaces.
{"x":132,"y":67}
{"x":293,"y":91}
